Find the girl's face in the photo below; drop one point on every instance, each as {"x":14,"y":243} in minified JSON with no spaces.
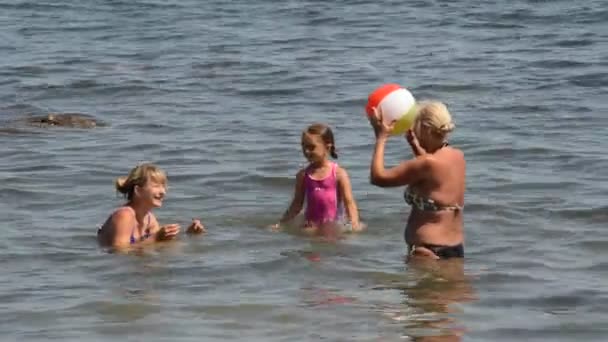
{"x":151,"y":194}
{"x":313,"y":148}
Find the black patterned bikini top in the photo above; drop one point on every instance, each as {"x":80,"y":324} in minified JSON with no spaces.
{"x":426,"y":204}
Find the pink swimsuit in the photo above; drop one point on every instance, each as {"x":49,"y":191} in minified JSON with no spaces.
{"x":322,"y":198}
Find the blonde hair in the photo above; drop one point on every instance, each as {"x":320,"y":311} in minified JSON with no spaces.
{"x":139,"y":175}
{"x":435,"y":115}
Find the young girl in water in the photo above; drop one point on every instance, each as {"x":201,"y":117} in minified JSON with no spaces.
{"x":134,"y":223}
{"x":323,"y":184}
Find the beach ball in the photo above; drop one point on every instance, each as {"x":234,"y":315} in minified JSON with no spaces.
{"x":396,"y":103}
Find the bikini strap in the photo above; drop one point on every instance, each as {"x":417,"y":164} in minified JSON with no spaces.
{"x":146,"y":229}
{"x":307,"y":170}
{"x":132,"y":239}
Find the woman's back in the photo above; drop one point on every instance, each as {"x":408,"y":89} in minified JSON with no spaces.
{"x":446,"y":184}
{"x":438,"y":200}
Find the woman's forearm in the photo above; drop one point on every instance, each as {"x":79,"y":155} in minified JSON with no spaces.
{"x":377,"y":165}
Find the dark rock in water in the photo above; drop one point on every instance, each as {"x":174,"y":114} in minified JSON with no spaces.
{"x":70,"y":120}
{"x":23,"y":118}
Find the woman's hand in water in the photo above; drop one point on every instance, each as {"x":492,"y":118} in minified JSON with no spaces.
{"x":414,"y":143}
{"x":196,"y":227}
{"x":381,"y":128}
{"x":168,"y":232}
{"x":357,"y":227}
{"x":275,"y":227}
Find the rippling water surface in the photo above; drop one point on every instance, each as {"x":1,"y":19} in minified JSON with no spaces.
{"x":217,"y":93}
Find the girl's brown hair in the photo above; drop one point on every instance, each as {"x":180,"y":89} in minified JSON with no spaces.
{"x":326,"y":134}
{"x":139,"y":175}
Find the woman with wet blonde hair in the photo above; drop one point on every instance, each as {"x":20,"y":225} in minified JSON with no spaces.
{"x":133,"y":223}
{"x":435,"y":180}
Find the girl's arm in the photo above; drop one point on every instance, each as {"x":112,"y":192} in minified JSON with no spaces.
{"x":298,"y":199}
{"x":123,"y":222}
{"x":408,"y":172}
{"x":196,"y":227}
{"x":346,"y":194}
